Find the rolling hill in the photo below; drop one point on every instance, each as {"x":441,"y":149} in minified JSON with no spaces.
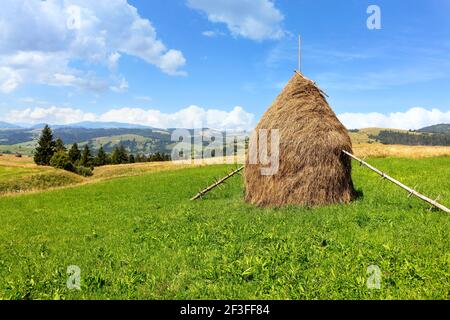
{"x":430,"y":136}
{"x":439,"y":128}
{"x":6,"y":125}
{"x":93,"y":125}
{"x":152,"y":140}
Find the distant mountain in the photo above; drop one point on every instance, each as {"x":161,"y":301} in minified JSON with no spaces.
{"x":5,"y":125}
{"x":93,"y":125}
{"x":144,"y":141}
{"x":105,"y":125}
{"x":35,"y":126}
{"x":439,"y":128}
{"x":139,"y":139}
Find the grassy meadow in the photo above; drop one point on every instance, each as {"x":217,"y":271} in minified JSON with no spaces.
{"x":139,"y":237}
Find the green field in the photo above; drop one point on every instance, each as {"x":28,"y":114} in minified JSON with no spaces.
{"x":141,"y":238}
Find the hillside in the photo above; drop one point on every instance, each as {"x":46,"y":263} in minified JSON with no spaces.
{"x":5,"y":125}
{"x":136,"y":140}
{"x":422,"y":137}
{"x":439,"y":128}
{"x":152,"y":140}
{"x":146,"y":141}
{"x":369,"y":135}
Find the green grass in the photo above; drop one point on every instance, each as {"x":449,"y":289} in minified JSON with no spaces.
{"x":141,"y":238}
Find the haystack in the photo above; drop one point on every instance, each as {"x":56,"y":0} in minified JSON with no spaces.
{"x":313,"y":170}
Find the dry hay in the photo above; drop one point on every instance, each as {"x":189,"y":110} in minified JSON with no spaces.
{"x":313,"y":171}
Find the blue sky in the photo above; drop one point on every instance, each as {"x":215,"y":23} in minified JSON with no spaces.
{"x":172,"y":63}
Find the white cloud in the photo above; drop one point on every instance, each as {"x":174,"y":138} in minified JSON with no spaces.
{"x":212,"y":33}
{"x":121,"y":87}
{"x":170,"y":62}
{"x":40,"y":39}
{"x":235,"y":119}
{"x":113,"y":59}
{"x":52,"y":115}
{"x":415,"y":118}
{"x":209,"y":33}
{"x":190,"y":117}
{"x":253,"y":19}
{"x":9,"y":79}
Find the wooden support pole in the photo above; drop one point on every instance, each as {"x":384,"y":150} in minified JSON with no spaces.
{"x":216,"y":184}
{"x":398,"y":183}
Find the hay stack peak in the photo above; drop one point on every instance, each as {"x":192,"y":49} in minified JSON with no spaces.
{"x":312,"y":171}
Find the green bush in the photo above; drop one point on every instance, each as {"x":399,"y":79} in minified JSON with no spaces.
{"x":83,"y":171}
{"x":61,"y":160}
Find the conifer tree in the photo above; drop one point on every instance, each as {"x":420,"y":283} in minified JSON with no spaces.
{"x":120,"y":155}
{"x":46,"y":147}
{"x":74,"y":153}
{"x":102,"y":158}
{"x":59,"y":145}
{"x":86,"y":157}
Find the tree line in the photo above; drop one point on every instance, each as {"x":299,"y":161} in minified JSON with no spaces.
{"x":51,"y":152}
{"x":412,"y":139}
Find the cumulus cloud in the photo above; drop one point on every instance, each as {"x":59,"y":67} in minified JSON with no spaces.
{"x":235,"y":119}
{"x":253,"y":19}
{"x":190,"y":117}
{"x":415,"y":118}
{"x":40,"y":39}
{"x":9,"y":79}
{"x":52,"y":115}
{"x":170,"y":62}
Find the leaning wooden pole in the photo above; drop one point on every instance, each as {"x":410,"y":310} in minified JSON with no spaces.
{"x":398,"y":183}
{"x":216,"y":184}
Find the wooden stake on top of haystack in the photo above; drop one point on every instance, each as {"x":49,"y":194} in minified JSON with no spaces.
{"x":299,"y":53}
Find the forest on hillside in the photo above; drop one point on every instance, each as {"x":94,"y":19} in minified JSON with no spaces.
{"x":412,"y":138}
